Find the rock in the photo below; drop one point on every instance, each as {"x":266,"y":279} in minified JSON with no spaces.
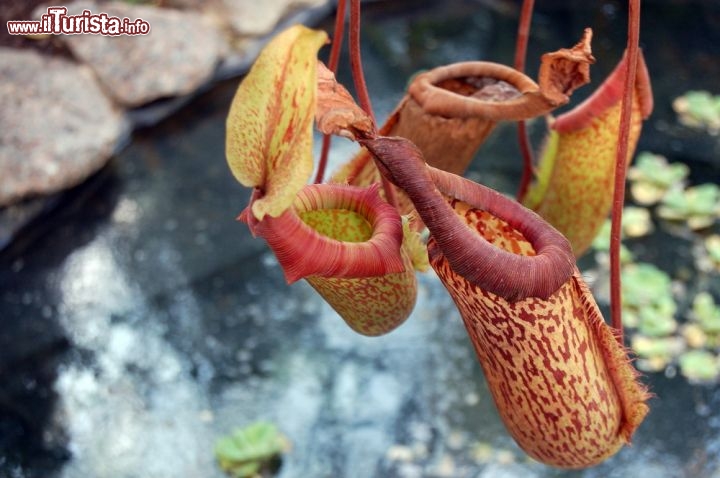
{"x":178,"y":55}
{"x":249,"y":23}
{"x":16,"y":216}
{"x":233,"y":18}
{"x":56,"y":125}
{"x":249,"y":18}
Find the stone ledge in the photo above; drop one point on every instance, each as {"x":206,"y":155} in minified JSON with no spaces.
{"x":178,"y":55}
{"x":56,"y":127}
{"x":62,"y":120}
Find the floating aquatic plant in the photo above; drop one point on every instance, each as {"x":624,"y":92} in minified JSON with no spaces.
{"x":700,"y":366}
{"x":601,"y":244}
{"x":698,"y":206}
{"x":703,"y":334}
{"x":694,"y":335}
{"x":652,"y":176}
{"x":707,"y":313}
{"x":647,"y":300}
{"x":699,"y":109}
{"x":657,"y":336}
{"x":712,"y":246}
{"x":655,"y":354}
{"x":636,"y":221}
{"x":246,"y":451}
{"x":658,"y":320}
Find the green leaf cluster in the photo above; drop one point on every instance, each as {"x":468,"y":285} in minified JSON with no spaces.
{"x":651,"y":177}
{"x":699,"y":206}
{"x":699,"y":109}
{"x":648,"y":302}
{"x":243,"y":453}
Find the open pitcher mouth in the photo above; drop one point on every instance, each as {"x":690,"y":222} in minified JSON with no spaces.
{"x":546,"y":358}
{"x":497,"y":92}
{"x":348,"y":244}
{"x":334,"y":231}
{"x":474,"y":89}
{"x":450,"y":110}
{"x":512,"y":276}
{"x":509,"y":275}
{"x":516,"y":272}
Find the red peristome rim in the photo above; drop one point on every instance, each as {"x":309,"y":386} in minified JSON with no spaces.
{"x":439,"y":101}
{"x":302,"y":251}
{"x":608,"y":94}
{"x":491,"y":268}
{"x":517,"y":276}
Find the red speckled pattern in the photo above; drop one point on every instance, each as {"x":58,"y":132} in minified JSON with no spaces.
{"x":580,"y":195}
{"x":493,"y":229}
{"x":562,"y":384}
{"x":371,"y":305}
{"x":580,"y":191}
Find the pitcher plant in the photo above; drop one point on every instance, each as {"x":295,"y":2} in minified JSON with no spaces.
{"x":559,"y":375}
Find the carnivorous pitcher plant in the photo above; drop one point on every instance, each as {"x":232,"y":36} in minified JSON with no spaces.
{"x":559,"y":375}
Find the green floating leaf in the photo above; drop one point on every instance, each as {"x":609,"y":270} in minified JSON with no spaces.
{"x":658,"y":319}
{"x":712,"y":246}
{"x":699,"y":205}
{"x":700,"y":366}
{"x":242,"y":453}
{"x":707,"y":313}
{"x":694,"y":336}
{"x":656,"y":353}
{"x":648,"y":347}
{"x":699,"y":109}
{"x":644,"y":284}
{"x":601,"y":243}
{"x":648,"y":303}
{"x":652,"y":176}
{"x":636,"y":221}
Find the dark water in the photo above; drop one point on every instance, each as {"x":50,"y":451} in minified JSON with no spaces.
{"x":139,"y":321}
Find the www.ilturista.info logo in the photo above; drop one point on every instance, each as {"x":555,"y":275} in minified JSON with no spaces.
{"x":57,"y":22}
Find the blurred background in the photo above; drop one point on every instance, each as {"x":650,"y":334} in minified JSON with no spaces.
{"x":139,"y":322}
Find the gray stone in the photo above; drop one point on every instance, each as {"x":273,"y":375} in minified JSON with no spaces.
{"x":178,"y":55}
{"x":250,"y":18}
{"x":56,"y":125}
